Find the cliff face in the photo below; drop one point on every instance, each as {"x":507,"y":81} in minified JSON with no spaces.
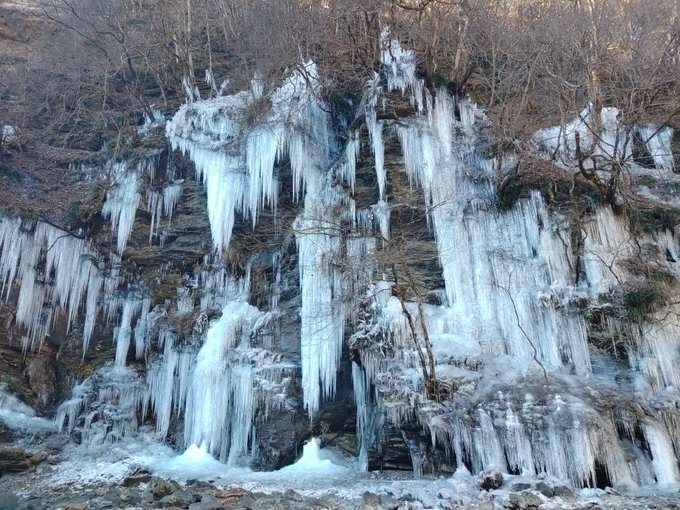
{"x":259,"y":269}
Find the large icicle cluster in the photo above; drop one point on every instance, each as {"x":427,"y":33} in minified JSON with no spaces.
{"x":514,"y":292}
{"x":236,"y":163}
{"x":219,"y":387}
{"x":105,"y":407}
{"x":123,"y":197}
{"x":53,"y":269}
{"x":657,"y":140}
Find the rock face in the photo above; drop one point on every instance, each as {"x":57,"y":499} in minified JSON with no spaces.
{"x":244,"y":285}
{"x":14,"y":459}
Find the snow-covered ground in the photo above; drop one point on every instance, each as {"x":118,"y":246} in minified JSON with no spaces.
{"x":321,"y":477}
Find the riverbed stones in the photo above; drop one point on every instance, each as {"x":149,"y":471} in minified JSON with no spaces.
{"x":524,"y":500}
{"x":388,"y":502}
{"x":520,"y":486}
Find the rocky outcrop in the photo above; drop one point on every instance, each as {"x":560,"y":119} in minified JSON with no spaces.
{"x":14,"y":459}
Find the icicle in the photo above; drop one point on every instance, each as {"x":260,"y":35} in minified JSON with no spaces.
{"x":361,"y":399}
{"x":318,"y":238}
{"x":382,"y":211}
{"x":488,"y":451}
{"x":518,"y":447}
{"x":94,"y":287}
{"x":188,"y":90}
{"x":522,"y":261}
{"x":171,"y":196}
{"x":610,"y":141}
{"x":277,"y":287}
{"x":400,"y":66}
{"x":156,"y":120}
{"x":154,"y":204}
{"x":131,"y":307}
{"x":142,"y":329}
{"x":54,"y":269}
{"x":168,"y":382}
{"x":121,"y":204}
{"x":347,"y":167}
{"x":375,"y":134}
{"x":262,"y":149}
{"x":199,"y":129}
{"x":110,"y":400}
{"x":322,"y":328}
{"x":257,"y":86}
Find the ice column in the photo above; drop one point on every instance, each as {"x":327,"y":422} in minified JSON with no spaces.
{"x":361,"y":399}
{"x":220,"y":402}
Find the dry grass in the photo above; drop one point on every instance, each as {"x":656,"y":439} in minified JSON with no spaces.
{"x":35,"y":180}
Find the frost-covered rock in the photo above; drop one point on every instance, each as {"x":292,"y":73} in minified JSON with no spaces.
{"x":427,"y":500}
{"x":490,"y":480}
{"x":562,"y":491}
{"x":545,"y":489}
{"x":446,"y":494}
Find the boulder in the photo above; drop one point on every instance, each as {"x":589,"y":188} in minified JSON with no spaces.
{"x":427,"y":500}
{"x":181,"y":498}
{"x":446,"y":493}
{"x":136,"y":478}
{"x":490,"y":480}
{"x":523,"y":501}
{"x":520,"y":486}
{"x":370,"y":501}
{"x":562,"y":491}
{"x":388,"y":502}
{"x":545,"y":489}
{"x":161,"y":488}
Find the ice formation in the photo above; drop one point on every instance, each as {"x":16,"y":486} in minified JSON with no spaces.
{"x":313,"y":463}
{"x":512,"y":292}
{"x":8,"y":133}
{"x":220,"y":407}
{"x":55,"y":269}
{"x":237,"y":180}
{"x":658,"y":143}
{"x":612,"y":143}
{"x":121,"y":204}
{"x":237,"y":168}
{"x":16,"y":415}
{"x":522,"y":387}
{"x":162,"y":204}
